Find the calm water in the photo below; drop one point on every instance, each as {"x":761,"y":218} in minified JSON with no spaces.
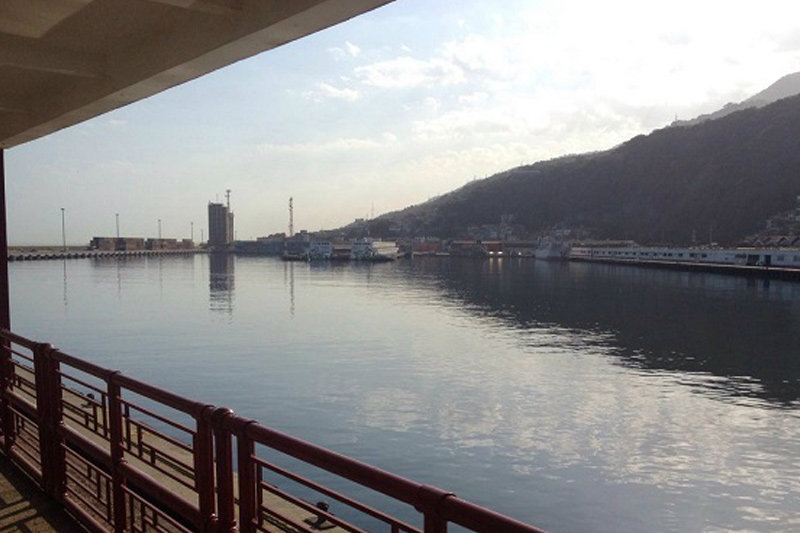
{"x":575,"y":397}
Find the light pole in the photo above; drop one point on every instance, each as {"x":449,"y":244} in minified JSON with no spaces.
{"x":117,"y":215}
{"x":159,"y":230}
{"x":63,"y":233}
{"x":191,"y":234}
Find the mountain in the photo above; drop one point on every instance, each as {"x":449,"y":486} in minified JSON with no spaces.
{"x":725,"y":175}
{"x":785,"y":87}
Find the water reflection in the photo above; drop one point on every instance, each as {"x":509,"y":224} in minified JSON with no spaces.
{"x":64,"y":261}
{"x":575,"y":397}
{"x":221,"y":282}
{"x":738,"y":336}
{"x":288,"y":279}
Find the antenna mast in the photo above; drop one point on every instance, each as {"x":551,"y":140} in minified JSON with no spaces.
{"x":291,"y":218}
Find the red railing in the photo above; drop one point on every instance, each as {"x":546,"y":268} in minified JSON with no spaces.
{"x":86,"y":435}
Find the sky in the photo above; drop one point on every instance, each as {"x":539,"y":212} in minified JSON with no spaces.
{"x":392,"y":108}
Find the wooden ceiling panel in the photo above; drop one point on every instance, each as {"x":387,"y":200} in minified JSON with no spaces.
{"x":34,"y":18}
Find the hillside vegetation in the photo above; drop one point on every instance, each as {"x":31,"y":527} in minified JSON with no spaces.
{"x":726,"y":175}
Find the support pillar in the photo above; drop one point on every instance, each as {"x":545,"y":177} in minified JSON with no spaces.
{"x":6,"y":369}
{"x":5,"y":310}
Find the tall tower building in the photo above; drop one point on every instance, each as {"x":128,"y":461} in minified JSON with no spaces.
{"x":220,"y":225}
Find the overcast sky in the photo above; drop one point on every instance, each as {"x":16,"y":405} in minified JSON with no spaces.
{"x":387,"y":110}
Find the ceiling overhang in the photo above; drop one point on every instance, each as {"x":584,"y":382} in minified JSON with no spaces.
{"x":66,"y":61}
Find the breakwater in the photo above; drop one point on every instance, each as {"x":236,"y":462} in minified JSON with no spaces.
{"x":35,"y":255}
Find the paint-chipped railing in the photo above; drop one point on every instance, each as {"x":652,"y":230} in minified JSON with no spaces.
{"x":123,"y":455}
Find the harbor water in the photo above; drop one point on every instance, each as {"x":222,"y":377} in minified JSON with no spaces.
{"x":575,"y":397}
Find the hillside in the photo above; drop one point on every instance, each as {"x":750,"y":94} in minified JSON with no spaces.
{"x":727,"y":175}
{"x":785,"y":87}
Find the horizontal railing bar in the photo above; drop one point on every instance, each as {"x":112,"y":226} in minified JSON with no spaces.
{"x":20,"y":354}
{"x":153,"y":489}
{"x":148,"y":430}
{"x":17,"y":339}
{"x":290,"y":521}
{"x":390,"y":520}
{"x":352,"y":469}
{"x":176,"y":463}
{"x":25,"y":453}
{"x":25,"y":407}
{"x":79,"y":381}
{"x":162,"y":515}
{"x":86,"y":519}
{"x":76,"y":410}
{"x":95,"y":505}
{"x":31,"y":469}
{"x":475,"y":517}
{"x":71,"y":476}
{"x":75,"y":461}
{"x":84,"y":445}
{"x":309,"y":508}
{"x":170,"y":399}
{"x":175,"y":477}
{"x":157,"y":416}
{"x":23,"y":367}
{"x":79,"y":364}
{"x":101,"y":431}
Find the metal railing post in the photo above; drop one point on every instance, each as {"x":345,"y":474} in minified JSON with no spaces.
{"x":58,"y":451}
{"x":42,"y":389}
{"x":247,"y":479}
{"x":222,"y":441}
{"x":429,"y":501}
{"x":204,"y":469}
{"x":115,"y":442}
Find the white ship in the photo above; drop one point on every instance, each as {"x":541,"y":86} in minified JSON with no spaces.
{"x":754,"y":257}
{"x":320,"y":251}
{"x":374,"y":250}
{"x":551,"y":250}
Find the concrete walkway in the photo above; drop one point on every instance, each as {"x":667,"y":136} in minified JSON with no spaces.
{"x":26,"y":509}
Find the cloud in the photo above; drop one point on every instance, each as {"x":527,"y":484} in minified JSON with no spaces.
{"x":352,"y":49}
{"x":325,"y":91}
{"x":345,"y":52}
{"x":406,"y":72}
{"x":479,"y":55}
{"x":475,"y":98}
{"x":340,"y":145}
